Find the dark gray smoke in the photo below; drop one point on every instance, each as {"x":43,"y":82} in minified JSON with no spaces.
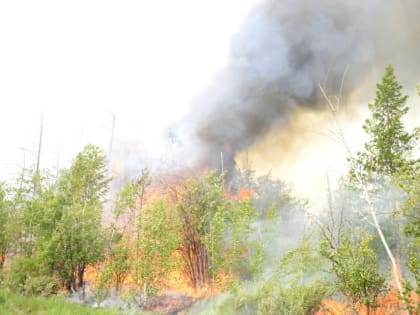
{"x":285,"y":48}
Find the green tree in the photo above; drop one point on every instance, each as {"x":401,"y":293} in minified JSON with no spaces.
{"x":31,"y":276}
{"x":4,"y":222}
{"x":348,"y":247}
{"x":157,"y":227}
{"x":387,"y":152}
{"x":390,"y":145}
{"x":197,"y":208}
{"x":32,"y":220}
{"x":215,"y":231}
{"x":297,"y":286}
{"x":23,"y":212}
{"x":410,"y":183}
{"x":229,"y":242}
{"x":355,"y":267}
{"x":280,"y":216}
{"x":117,"y":264}
{"x":78,"y":239}
{"x":120,"y":236}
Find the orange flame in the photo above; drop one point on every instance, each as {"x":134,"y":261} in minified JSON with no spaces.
{"x":245,"y":193}
{"x":387,"y":305}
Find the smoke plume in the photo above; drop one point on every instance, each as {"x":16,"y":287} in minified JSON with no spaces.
{"x":286,"y":48}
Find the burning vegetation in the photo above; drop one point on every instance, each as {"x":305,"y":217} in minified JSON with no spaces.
{"x":220,"y":239}
{"x":217,"y":244}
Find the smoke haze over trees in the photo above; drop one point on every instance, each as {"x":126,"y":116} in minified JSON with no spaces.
{"x":196,"y":233}
{"x":285,"y":49}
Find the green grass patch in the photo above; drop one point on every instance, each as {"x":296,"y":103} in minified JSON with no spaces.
{"x":11,"y":304}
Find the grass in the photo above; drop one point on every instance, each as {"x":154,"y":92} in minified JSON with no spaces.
{"x":11,"y":304}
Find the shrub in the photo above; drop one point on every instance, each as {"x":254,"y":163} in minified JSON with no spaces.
{"x":29,"y":277}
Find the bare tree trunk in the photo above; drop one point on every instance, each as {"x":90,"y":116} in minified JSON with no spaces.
{"x":73,"y":282}
{"x":36,"y":179}
{"x":80,"y":275}
{"x":145,"y":295}
{"x":196,"y":258}
{"x":2,"y":259}
{"x":67,"y":285}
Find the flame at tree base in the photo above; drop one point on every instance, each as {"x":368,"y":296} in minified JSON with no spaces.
{"x":386,"y":305}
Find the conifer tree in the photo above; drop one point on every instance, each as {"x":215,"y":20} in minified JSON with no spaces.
{"x":389,"y":145}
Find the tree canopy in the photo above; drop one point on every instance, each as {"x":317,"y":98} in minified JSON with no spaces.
{"x":389,"y":145}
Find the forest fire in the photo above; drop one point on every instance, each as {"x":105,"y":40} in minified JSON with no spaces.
{"x":189,"y":278}
{"x":387,"y":304}
{"x":178,"y":281}
{"x":245,"y":193}
{"x":186,"y":228}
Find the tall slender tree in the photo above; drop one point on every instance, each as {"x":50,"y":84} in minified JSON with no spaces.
{"x":389,"y":145}
{"x":4,"y":220}
{"x":386,"y":153}
{"x":78,"y":239}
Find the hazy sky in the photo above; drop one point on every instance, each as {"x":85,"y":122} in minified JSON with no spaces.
{"x":148,"y":62}
{"x":79,"y":62}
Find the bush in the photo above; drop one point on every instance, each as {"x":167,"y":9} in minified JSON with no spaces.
{"x":29,"y":277}
{"x":355,"y":266}
{"x":270,"y":297}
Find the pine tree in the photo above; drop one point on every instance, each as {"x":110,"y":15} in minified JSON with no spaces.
{"x":389,"y":146}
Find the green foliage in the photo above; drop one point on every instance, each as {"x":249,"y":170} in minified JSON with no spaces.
{"x":389,"y":146}
{"x":303,"y":261}
{"x":201,"y":216}
{"x":117,"y":264}
{"x":296,"y":298}
{"x":29,"y":276}
{"x":229,"y":240}
{"x":409,"y":181}
{"x":387,"y":154}
{"x":21,"y":305}
{"x":216,"y":231}
{"x":157,"y":230}
{"x":4,"y":224}
{"x":414,"y":260}
{"x":271,"y":197}
{"x":78,"y":238}
{"x":99,"y":293}
{"x":269,"y":297}
{"x":85,"y":183}
{"x":355,"y":267}
{"x":23,"y":212}
{"x":289,"y":290}
{"x":123,"y":232}
{"x":280,"y":217}
{"x":28,"y":221}
{"x":31,"y":221}
{"x":130,"y":198}
{"x":126,"y":199}
{"x":201,"y":200}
